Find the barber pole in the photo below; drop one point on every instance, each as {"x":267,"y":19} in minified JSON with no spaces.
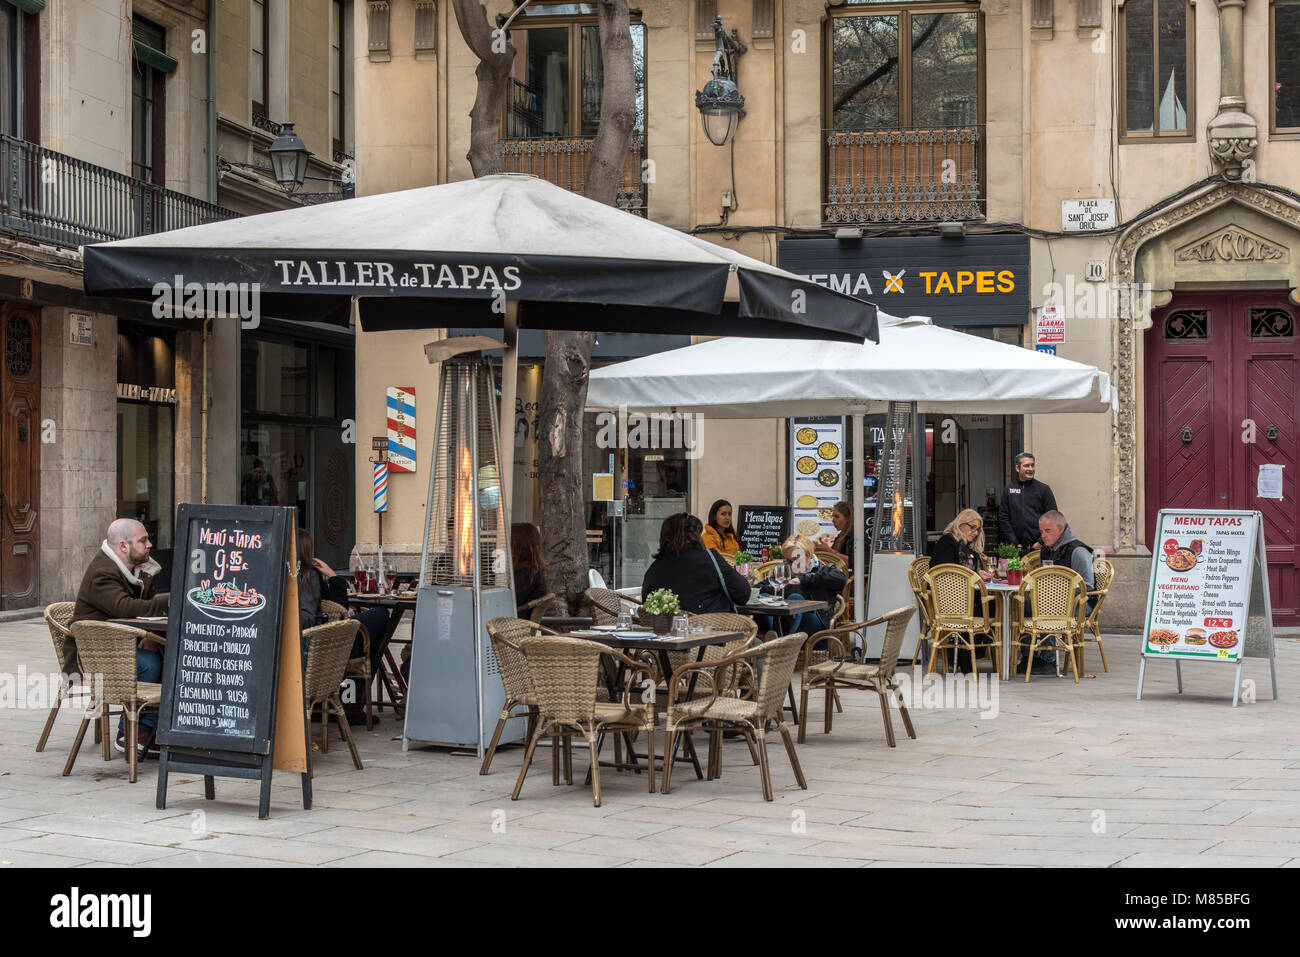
{"x":381,"y":486}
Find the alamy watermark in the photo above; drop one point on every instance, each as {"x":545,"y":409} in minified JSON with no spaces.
{"x":40,"y":690}
{"x":651,"y":430}
{"x":198,"y":300}
{"x":1098,"y":300}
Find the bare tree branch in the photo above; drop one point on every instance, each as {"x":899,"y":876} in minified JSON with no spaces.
{"x":496,"y":55}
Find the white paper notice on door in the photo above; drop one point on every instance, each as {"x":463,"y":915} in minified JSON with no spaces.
{"x":1269,"y":483}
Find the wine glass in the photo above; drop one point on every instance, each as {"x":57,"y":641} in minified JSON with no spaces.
{"x":780,"y":575}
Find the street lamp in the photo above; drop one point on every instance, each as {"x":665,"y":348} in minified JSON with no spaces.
{"x":720,"y":103}
{"x":289,"y":156}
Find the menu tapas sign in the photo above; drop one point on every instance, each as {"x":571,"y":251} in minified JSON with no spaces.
{"x":1208,"y":599}
{"x":816,"y":473}
{"x":232,"y":669}
{"x":759,"y":525}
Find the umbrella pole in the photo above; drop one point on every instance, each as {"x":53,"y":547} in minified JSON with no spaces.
{"x":859,"y":526}
{"x":509,"y":388}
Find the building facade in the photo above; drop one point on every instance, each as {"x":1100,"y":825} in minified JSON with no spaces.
{"x":121,"y":120}
{"x":869,"y":124}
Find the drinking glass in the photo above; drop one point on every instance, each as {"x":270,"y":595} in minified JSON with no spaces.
{"x":359,"y":579}
{"x":682,"y":626}
{"x":780,"y":575}
{"x":624,"y":622}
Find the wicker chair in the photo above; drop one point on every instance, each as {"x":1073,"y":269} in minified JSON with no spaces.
{"x":539,"y":608}
{"x":1104,"y":573}
{"x":916,"y":577}
{"x":328,"y":647}
{"x":1031,"y":559}
{"x":565,"y":674}
{"x":607,"y":604}
{"x":957,"y":619}
{"x":107,"y":651}
{"x":504,"y":633}
{"x":771,"y":666}
{"x":58,"y":618}
{"x":762,"y":571}
{"x":840,"y":671}
{"x":358,"y":668}
{"x":1054,"y":597}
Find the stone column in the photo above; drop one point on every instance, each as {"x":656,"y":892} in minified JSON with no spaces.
{"x":1233,"y":135}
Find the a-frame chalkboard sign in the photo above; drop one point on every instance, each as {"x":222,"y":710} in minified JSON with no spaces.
{"x":232,"y":702}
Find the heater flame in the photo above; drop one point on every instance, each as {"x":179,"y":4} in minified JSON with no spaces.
{"x":465,"y":515}
{"x":897,"y":515}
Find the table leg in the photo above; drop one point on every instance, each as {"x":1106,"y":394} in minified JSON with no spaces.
{"x":1006,"y":636}
{"x":687,"y":744}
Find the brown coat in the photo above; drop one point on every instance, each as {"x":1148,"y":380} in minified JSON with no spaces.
{"x":106,"y":593}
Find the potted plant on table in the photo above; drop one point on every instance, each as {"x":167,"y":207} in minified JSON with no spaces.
{"x":743,"y":561}
{"x":1006,"y":552}
{"x":1015,"y":571}
{"x":661,"y":605}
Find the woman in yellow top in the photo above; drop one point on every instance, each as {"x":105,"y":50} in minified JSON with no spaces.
{"x":719,"y":534}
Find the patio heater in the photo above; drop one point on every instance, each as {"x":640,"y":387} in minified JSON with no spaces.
{"x":898,"y":528}
{"x":454,"y":692}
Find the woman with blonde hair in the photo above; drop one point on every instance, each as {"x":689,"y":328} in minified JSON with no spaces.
{"x":962,"y":543}
{"x":811,"y":580}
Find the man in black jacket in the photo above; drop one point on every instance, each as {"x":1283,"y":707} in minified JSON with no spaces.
{"x":1023,"y":501}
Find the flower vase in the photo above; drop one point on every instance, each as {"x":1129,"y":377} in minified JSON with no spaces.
{"x":743,"y":568}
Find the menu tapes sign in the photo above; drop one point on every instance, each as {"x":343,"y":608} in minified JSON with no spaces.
{"x":759,"y":525}
{"x":816,"y":473}
{"x":1200,"y":584}
{"x":223,"y":636}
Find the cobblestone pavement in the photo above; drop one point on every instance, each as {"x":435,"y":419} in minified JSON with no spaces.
{"x":1063,"y":775}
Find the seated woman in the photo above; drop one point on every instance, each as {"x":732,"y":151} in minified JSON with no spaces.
{"x":842,"y":542}
{"x":526,"y":555}
{"x":317,"y":582}
{"x":810,"y":580}
{"x":719,"y":534}
{"x":962,"y":543}
{"x":701,"y":579}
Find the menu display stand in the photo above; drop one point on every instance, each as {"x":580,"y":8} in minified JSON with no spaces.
{"x":232,"y":682}
{"x":1208,"y":599}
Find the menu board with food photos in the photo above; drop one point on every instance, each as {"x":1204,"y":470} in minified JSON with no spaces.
{"x":1208,"y":597}
{"x":816,"y":473}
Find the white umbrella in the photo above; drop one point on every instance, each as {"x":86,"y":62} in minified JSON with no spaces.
{"x":939,"y":369}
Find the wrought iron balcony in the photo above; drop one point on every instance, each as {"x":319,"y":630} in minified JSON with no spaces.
{"x":564,"y":161}
{"x":910,"y":175}
{"x":54,"y":198}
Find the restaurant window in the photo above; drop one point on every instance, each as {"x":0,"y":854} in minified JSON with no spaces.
{"x":20,"y":74}
{"x":148,"y":104}
{"x":1156,"y":53}
{"x":1285,"y":42}
{"x":146,"y":433}
{"x":259,"y":79}
{"x":903,"y":106}
{"x":295,"y":398}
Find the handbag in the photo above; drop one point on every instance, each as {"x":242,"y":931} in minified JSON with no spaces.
{"x":721,"y":581}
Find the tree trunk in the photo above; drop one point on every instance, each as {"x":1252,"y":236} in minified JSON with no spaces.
{"x":568,"y":354}
{"x":495,"y":58}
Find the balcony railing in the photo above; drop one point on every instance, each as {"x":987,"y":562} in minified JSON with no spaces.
{"x":912,"y":175}
{"x":53,"y":198}
{"x":564,"y":161}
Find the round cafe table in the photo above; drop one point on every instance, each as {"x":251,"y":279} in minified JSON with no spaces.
{"x":1004,"y":591}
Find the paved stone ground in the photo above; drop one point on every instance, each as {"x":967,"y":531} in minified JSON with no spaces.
{"x":1064,"y":775}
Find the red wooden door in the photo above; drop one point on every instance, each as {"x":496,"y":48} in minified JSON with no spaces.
{"x":1222,"y":369}
{"x":20,"y":455}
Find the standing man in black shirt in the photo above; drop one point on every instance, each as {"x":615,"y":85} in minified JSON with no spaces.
{"x":1023,"y":501}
